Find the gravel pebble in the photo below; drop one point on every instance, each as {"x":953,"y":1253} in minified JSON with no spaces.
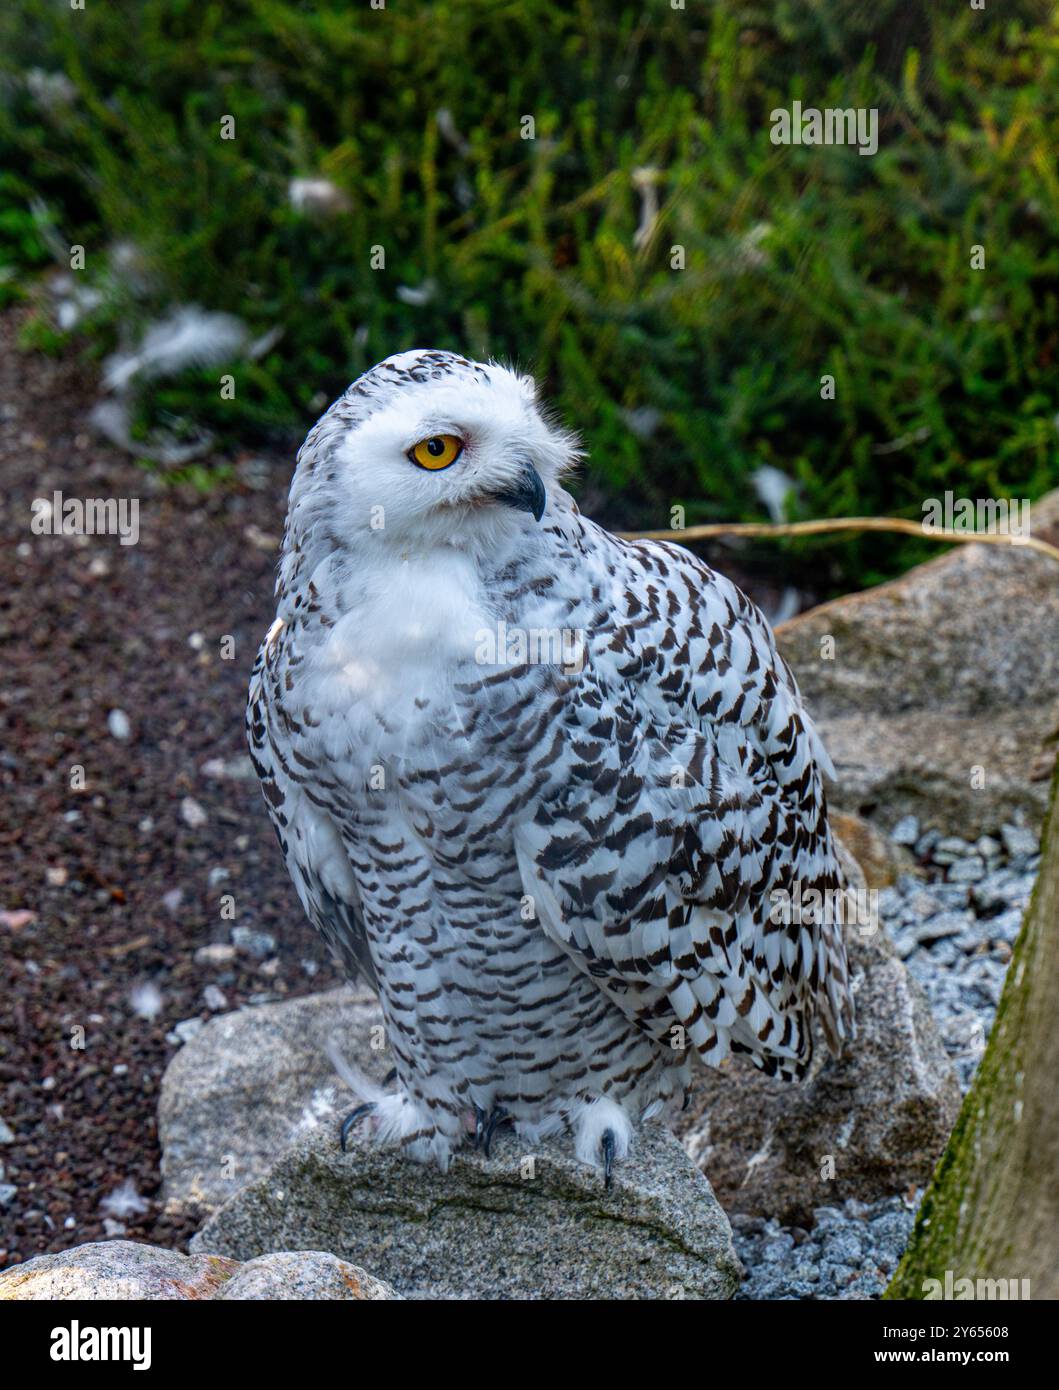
{"x":949,"y":849}
{"x":258,"y":944}
{"x":906,"y":831}
{"x":1018,"y":840}
{"x":969,"y":870}
{"x":186,"y":1029}
{"x":118,"y":725}
{"x":850,"y":1252}
{"x":219,"y":953}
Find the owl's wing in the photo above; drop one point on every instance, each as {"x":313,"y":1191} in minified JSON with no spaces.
{"x":315,"y":855}
{"x":658,"y":861}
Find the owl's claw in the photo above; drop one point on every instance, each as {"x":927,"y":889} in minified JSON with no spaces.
{"x":607,"y":1144}
{"x":351,"y":1119}
{"x":498,"y":1116}
{"x":479,"y":1125}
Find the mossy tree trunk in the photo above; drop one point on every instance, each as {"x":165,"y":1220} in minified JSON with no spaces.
{"x":992,"y":1209}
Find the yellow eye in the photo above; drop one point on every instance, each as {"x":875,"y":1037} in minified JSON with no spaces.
{"x":436,"y":452}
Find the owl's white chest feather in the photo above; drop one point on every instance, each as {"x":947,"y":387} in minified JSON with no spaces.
{"x":406,"y":630}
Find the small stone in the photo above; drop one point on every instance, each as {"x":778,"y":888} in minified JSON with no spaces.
{"x":948,"y":850}
{"x":218,"y":874}
{"x":118,"y":725}
{"x":186,"y":1029}
{"x":7,"y":1134}
{"x":945,"y":952}
{"x":16,"y":920}
{"x":926,"y":842}
{"x":258,"y":944}
{"x":238,"y":769}
{"x":215,"y":999}
{"x":976,"y":936}
{"x":56,"y":875}
{"x":906,"y":831}
{"x":890,"y":903}
{"x":1006,"y":926}
{"x":992,"y":892}
{"x":987,"y":847}
{"x":969,"y":870}
{"x":8,"y":1193}
{"x":192,"y":813}
{"x":218,"y":953}
{"x":923,"y":903}
{"x":942,"y":925}
{"x":953,"y":897}
{"x":1018,"y":840}
{"x":172,"y":899}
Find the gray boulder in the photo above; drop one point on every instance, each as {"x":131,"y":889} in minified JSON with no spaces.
{"x":951,"y":668}
{"x":250,"y":1083}
{"x":527,"y":1223}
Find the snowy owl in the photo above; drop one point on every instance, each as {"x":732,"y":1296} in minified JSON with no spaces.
{"x":540,"y":786}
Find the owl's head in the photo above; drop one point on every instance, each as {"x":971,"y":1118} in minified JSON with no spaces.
{"x":428,"y":449}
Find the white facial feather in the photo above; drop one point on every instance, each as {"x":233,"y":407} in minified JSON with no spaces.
{"x":356,"y":484}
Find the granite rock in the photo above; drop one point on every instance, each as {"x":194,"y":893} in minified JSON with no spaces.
{"x":526,"y":1223}
{"x":951,"y":668}
{"x":302,"y":1275}
{"x":115,"y":1269}
{"x":250,"y":1083}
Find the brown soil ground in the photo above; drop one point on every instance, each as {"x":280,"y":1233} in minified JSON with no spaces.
{"x":88,"y":626}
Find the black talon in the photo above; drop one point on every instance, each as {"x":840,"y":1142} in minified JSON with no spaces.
{"x":479,"y":1125}
{"x":351,"y":1119}
{"x":391,"y":1077}
{"x":498,"y":1117}
{"x":608,"y":1144}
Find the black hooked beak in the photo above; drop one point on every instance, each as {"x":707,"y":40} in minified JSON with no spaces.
{"x":526,"y":493}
